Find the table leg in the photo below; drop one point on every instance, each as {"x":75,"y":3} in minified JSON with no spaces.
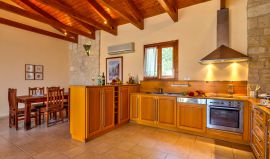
{"x":27,"y":118}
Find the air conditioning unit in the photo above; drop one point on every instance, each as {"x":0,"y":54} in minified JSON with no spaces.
{"x":121,"y":49}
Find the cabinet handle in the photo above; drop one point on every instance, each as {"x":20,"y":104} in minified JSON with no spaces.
{"x":103,"y":109}
{"x":100,"y":109}
{"x":157,"y":106}
{"x":155,"y":109}
{"x":137,"y":107}
{"x":120,"y":106}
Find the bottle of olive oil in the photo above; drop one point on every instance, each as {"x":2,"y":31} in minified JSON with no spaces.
{"x":103,"y":79}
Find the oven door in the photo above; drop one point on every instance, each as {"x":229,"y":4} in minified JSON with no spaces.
{"x":225,"y":118}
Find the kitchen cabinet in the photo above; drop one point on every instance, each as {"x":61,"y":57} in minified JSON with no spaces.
{"x":166,"y":111}
{"x":268,"y":137}
{"x":94,"y":113}
{"x":148,"y":109}
{"x":191,"y":117}
{"x":91,"y":111}
{"x":158,"y":111}
{"x":95,"y":110}
{"x":108,"y":108}
{"x":259,"y":133}
{"x":100,"y":110}
{"x":134,"y":107}
{"x":124,"y":103}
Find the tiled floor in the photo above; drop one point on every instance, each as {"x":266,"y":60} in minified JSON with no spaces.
{"x":128,"y":142}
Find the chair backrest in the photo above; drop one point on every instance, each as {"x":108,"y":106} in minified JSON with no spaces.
{"x":53,"y":87}
{"x":12,"y":99}
{"x":55,"y":98}
{"x":34,"y":90}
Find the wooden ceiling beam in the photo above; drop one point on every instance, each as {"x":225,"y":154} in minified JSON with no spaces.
{"x":170,"y":9}
{"x":122,"y":12}
{"x":26,"y":4}
{"x":19,"y":11}
{"x":37,"y":30}
{"x":101,"y":12}
{"x":135,"y":11}
{"x":85,"y":25}
{"x":71,"y":12}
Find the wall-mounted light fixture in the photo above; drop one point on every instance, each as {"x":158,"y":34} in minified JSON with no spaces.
{"x":87,"y":48}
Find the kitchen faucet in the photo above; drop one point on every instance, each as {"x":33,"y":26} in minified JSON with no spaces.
{"x":230,"y":89}
{"x":160,"y":90}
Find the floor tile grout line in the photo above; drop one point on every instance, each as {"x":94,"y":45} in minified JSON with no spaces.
{"x":29,"y":154}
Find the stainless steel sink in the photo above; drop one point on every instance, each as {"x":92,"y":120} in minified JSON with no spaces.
{"x":154,"y":92}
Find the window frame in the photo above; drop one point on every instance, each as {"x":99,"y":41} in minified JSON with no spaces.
{"x":159,"y":46}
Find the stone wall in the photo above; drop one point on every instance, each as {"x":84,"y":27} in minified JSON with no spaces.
{"x":84,"y":68}
{"x":259,"y":43}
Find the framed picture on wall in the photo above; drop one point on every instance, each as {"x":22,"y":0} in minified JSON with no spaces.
{"x":38,"y":76}
{"x":38,"y":68}
{"x":114,"y":69}
{"x":29,"y":76}
{"x":29,"y":68}
{"x":33,"y":72}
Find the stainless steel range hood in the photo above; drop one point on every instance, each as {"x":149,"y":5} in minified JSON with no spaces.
{"x":223,"y":53}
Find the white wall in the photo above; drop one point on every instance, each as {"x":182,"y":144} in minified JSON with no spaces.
{"x":196,"y":32}
{"x":19,"y":47}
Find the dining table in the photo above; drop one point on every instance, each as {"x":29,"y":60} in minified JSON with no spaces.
{"x":28,"y":101}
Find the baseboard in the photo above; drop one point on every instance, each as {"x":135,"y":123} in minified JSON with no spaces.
{"x":3,"y":116}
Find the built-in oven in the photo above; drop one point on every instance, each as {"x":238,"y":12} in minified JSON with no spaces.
{"x":225,"y":115}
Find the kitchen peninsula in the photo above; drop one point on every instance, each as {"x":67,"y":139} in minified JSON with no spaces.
{"x":98,"y":109}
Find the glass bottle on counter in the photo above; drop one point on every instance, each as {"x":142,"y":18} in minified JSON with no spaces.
{"x":99,"y":80}
{"x":103,"y":79}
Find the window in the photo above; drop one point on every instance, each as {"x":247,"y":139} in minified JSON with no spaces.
{"x":161,"y":60}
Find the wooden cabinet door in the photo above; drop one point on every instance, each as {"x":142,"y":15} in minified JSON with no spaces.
{"x":123,"y":104}
{"x":108,"y":108}
{"x":134,"y":101}
{"x":166,"y":111}
{"x":268,"y":140}
{"x":94,"y":116}
{"x":191,"y":117}
{"x":148,"y":109}
{"x":134,"y":106}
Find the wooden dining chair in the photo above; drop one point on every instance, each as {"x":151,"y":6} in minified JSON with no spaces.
{"x":35,"y":90}
{"x":17,"y":114}
{"x":54,"y":104}
{"x":66,"y":102}
{"x":32,"y":91}
{"x":66,"y":105}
